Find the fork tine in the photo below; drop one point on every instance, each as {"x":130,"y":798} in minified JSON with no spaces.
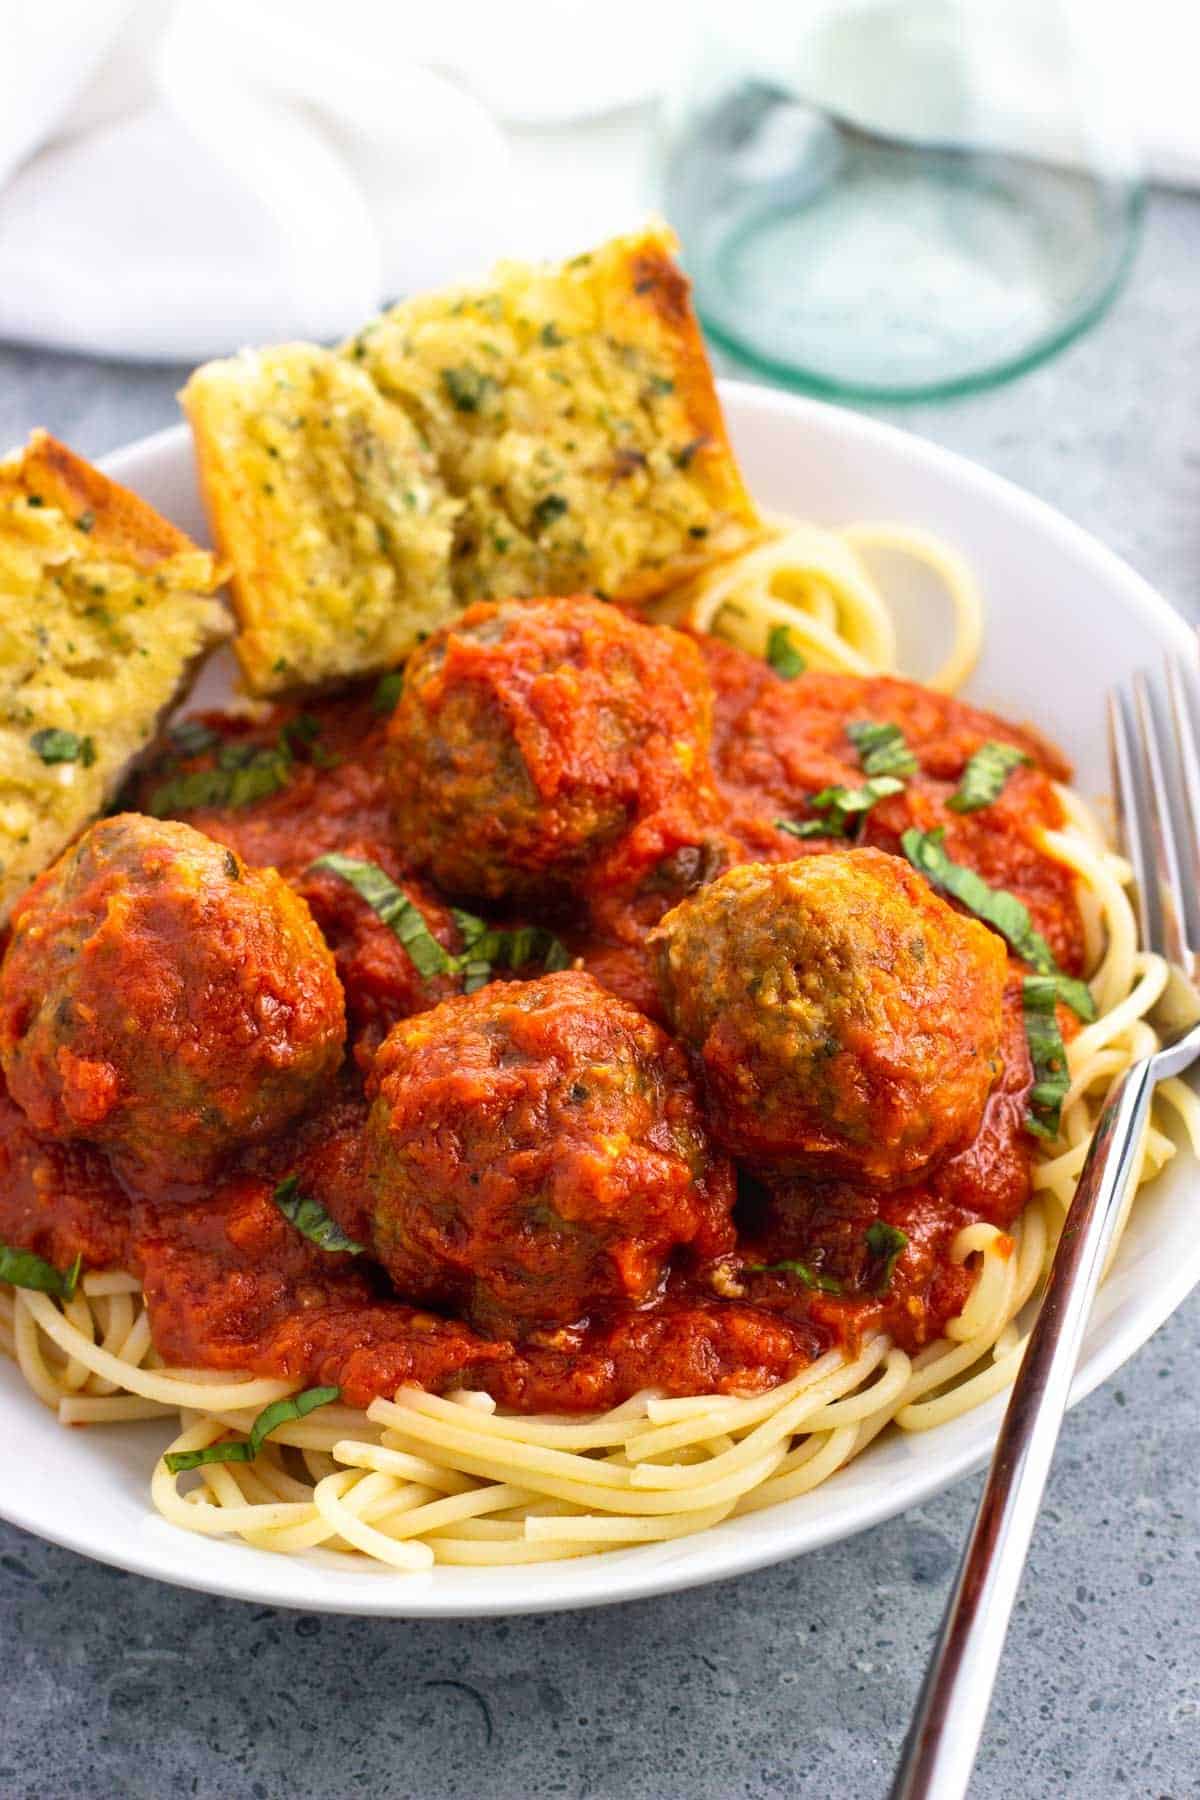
{"x":1131,"y":834}
{"x":1172,"y":901}
{"x":1189,"y":765}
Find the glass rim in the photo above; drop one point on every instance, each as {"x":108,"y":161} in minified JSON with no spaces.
{"x":1077,"y":320}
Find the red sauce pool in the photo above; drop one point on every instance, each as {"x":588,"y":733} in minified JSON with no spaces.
{"x":230,"y":1284}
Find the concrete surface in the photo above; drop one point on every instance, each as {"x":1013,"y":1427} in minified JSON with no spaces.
{"x":797,"y":1681}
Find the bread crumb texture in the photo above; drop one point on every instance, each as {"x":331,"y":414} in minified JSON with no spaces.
{"x":553,"y":431}
{"x":104,"y":608}
{"x":329,"y":508}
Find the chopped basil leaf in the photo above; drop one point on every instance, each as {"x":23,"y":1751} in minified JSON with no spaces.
{"x":55,"y":746}
{"x":295,"y":1406}
{"x":311,"y":1220}
{"x":243,"y":773}
{"x":551,"y":336}
{"x":467,"y":387}
{"x":881,"y":748}
{"x":303,"y":729}
{"x":187,"y":793}
{"x":812,"y":1278}
{"x":304,"y":733}
{"x":486,"y":949}
{"x":860,"y":799}
{"x":885,"y":1243}
{"x":403,"y":918}
{"x":984,"y":777}
{"x":192,"y":737}
{"x":1075,"y":994}
{"x":387,"y":691}
{"x":85,"y":521}
{"x":841,"y":805}
{"x":783,"y":655}
{"x":1047,"y":1053}
{"x":23,"y":1269}
{"x":257,"y":775}
{"x":549,"y":508}
{"x":476,"y":974}
{"x":997,"y":908}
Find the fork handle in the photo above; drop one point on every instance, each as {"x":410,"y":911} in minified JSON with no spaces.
{"x":940,"y":1749}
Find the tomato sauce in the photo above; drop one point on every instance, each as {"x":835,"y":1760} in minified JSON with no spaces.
{"x":231,"y":1284}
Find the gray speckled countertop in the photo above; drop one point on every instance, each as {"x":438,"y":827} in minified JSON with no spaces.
{"x":796,"y":1681}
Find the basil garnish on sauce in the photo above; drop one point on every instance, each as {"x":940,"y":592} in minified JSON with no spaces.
{"x":840,"y":805}
{"x":54,"y":746}
{"x":812,"y":1278}
{"x":403,"y":918}
{"x":486,"y":949}
{"x":294,"y":1406}
{"x":192,"y":737}
{"x":387,"y":691}
{"x":311,"y":1220}
{"x":885,"y":759}
{"x":885,"y":1243}
{"x":881,"y":748}
{"x":1048,"y":1054}
{"x":805,"y":828}
{"x":304,"y":733}
{"x":997,"y":908}
{"x":1040,"y":992}
{"x":983,"y":779}
{"x":782,"y":654}
{"x":23,"y":1269}
{"x":243,"y":773}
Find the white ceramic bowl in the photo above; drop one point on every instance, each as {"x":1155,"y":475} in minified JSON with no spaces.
{"x":1066,"y":618}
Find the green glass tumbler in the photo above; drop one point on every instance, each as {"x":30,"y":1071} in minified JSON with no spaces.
{"x":897,"y":199}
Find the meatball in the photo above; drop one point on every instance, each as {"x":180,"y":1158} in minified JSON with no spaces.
{"x":534,"y":1152}
{"x":846,"y":1018}
{"x":165,"y":1001}
{"x":530,"y":734}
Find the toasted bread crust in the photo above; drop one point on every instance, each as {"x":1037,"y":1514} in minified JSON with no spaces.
{"x":229,"y":515}
{"x":335,"y":524}
{"x":126,"y":525}
{"x":658,"y":285}
{"x":553,"y":430}
{"x":104,"y":610}
{"x":595,"y":369}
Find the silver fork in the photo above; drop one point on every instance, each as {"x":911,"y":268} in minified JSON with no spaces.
{"x":1156,"y":776}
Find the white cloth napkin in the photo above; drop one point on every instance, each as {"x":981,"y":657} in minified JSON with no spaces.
{"x":179,"y":177}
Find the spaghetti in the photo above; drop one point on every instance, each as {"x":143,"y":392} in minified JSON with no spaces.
{"x":818,"y":584}
{"x":421,"y":1479}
